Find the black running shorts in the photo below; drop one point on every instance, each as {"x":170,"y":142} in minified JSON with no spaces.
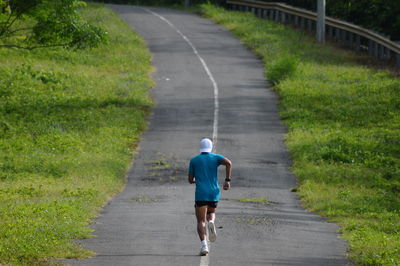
{"x":211,"y":204}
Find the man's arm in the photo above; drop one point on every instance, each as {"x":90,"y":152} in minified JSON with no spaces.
{"x":228,"y":172}
{"x":191,"y":178}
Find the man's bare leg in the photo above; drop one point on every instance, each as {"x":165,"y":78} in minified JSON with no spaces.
{"x":210,"y":214}
{"x":211,"y":226}
{"x":201,"y":213}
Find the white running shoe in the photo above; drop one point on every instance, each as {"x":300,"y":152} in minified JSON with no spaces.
{"x":204,"y":250}
{"x":212,"y":232}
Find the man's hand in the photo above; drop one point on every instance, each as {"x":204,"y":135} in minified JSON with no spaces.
{"x":191,"y":179}
{"x":227,"y":185}
{"x":228,"y":175}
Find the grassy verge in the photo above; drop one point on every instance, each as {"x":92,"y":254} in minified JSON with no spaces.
{"x":69,"y":122}
{"x":344,"y":122}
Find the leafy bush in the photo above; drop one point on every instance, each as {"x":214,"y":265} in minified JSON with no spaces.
{"x":283,"y":68}
{"x":46,"y":23}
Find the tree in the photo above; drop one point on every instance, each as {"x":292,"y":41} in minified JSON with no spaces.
{"x":33,"y":24}
{"x":379,"y":15}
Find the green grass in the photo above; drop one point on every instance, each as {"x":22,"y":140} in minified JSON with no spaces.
{"x":343,"y":123}
{"x":69,"y":123}
{"x":254,"y":200}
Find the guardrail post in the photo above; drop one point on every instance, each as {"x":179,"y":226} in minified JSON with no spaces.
{"x":265,"y":13}
{"x":321,"y":21}
{"x":398,"y":60}
{"x":373,"y":50}
{"x":351,"y":40}
{"x":343,"y":36}
{"x":340,"y":35}
{"x":309,"y":25}
{"x":380,"y":52}
{"x":348,"y":38}
{"x":277,"y":16}
{"x":386,"y":53}
{"x":383,"y":52}
{"x":370,"y":48}
{"x":337,"y":35}
{"x":296,"y":20}
{"x":376,"y":49}
{"x":331,"y":32}
{"x":283,"y":17}
{"x":358,"y":42}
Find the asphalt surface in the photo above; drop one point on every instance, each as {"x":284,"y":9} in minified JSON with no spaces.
{"x":152,"y":221}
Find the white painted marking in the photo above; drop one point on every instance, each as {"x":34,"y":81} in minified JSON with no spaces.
{"x":211,"y":77}
{"x":204,"y":261}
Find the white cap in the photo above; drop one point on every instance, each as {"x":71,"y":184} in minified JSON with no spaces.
{"x":206,"y":145}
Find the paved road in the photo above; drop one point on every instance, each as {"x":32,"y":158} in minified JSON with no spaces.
{"x":200,"y":66}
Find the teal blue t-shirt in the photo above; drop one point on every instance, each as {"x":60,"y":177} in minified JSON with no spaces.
{"x":204,"y":167}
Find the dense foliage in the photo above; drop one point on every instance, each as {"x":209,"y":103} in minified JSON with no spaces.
{"x":43,"y":23}
{"x":378,"y":15}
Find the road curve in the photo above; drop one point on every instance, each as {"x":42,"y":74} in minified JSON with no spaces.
{"x":152,"y":221}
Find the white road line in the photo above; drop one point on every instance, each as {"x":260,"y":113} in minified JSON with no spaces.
{"x":214,"y":83}
{"x":204,"y":261}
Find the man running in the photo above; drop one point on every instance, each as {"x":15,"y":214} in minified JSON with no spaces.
{"x":203,"y":171}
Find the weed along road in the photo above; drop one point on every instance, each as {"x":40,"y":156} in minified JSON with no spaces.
{"x":208,"y":85}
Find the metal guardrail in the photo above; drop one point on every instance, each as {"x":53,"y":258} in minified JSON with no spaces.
{"x":355,"y":37}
